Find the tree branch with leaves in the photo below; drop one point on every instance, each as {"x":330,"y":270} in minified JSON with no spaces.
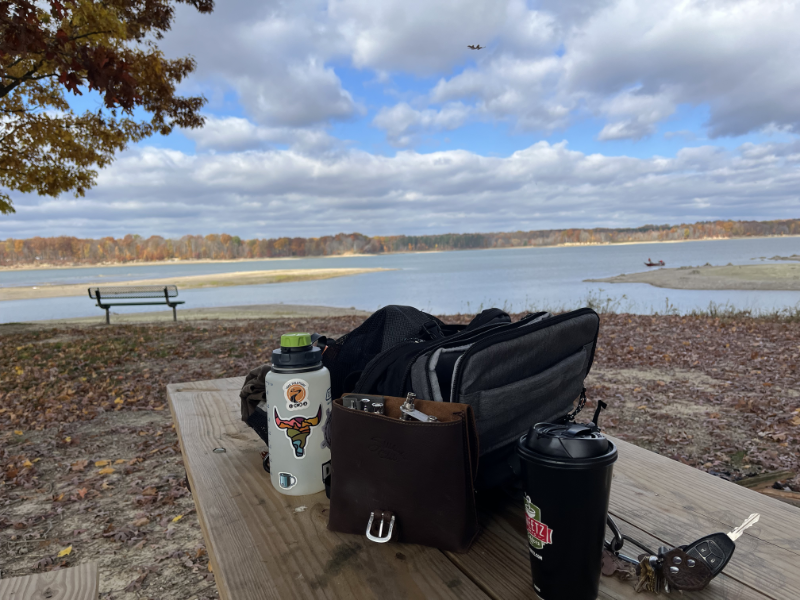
{"x":49,"y":48}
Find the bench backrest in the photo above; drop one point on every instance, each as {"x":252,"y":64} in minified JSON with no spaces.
{"x":134,"y":291}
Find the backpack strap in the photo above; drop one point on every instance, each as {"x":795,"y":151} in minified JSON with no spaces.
{"x":485,"y":317}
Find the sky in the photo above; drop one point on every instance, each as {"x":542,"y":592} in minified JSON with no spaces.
{"x":329,"y":116}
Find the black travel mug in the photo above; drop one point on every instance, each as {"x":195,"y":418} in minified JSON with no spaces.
{"x":566,"y":477}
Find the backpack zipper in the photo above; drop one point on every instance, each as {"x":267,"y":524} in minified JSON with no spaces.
{"x":392,"y":352}
{"x":458,"y":371}
{"x":464,"y":340}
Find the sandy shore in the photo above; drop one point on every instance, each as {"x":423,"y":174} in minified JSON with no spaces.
{"x":742,"y":277}
{"x":190,"y":282}
{"x":231,"y":314}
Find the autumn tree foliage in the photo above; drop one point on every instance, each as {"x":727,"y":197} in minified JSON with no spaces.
{"x":49,"y":48}
{"x":64,"y":249}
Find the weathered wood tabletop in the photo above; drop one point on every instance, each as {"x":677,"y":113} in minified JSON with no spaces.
{"x":75,"y":583}
{"x":263,"y":544}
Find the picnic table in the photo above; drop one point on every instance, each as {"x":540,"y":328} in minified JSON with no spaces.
{"x":263,"y":544}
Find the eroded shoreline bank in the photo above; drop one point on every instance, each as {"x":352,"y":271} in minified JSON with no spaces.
{"x":187,"y":282}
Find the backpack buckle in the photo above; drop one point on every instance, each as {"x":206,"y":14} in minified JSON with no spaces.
{"x":432,"y":329}
{"x":380,"y":538}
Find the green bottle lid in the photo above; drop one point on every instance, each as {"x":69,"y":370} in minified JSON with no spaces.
{"x":295,"y":340}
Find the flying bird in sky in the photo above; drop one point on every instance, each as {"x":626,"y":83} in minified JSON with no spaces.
{"x":478,"y":47}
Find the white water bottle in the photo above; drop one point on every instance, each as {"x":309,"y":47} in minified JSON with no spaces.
{"x":298,"y":403}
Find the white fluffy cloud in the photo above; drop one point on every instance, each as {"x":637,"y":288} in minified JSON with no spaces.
{"x":630,"y":62}
{"x":236,"y":134}
{"x":634,"y":115}
{"x":274,"y":193}
{"x":634,"y":62}
{"x":284,"y":75}
{"x":402,"y":122}
{"x":273,"y":54}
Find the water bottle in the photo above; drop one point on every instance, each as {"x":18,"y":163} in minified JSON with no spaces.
{"x":298,"y":403}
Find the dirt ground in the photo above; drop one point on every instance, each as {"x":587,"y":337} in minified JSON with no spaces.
{"x":91,"y":468}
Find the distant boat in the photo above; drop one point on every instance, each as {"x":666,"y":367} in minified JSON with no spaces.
{"x":658,"y":263}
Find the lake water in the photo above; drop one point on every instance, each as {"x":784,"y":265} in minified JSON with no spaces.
{"x":444,"y":283}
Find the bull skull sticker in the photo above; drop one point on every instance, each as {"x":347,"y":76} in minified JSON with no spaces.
{"x":298,"y":429}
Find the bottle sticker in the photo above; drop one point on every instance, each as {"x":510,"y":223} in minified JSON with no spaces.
{"x":539,"y":534}
{"x":326,"y":431}
{"x":296,"y":393}
{"x":298,"y":430}
{"x":286,"y":480}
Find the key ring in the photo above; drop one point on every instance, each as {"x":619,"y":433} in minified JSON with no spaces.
{"x":615,"y":545}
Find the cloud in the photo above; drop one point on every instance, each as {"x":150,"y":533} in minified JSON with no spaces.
{"x":634,"y":114}
{"x":273,"y":54}
{"x":735,"y":56}
{"x":288,"y":192}
{"x":512,"y":89}
{"x":415,"y":36}
{"x":546,"y":64}
{"x":402,"y":122}
{"x":223,"y":134}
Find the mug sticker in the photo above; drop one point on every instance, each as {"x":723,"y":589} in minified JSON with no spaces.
{"x":539,"y":534}
{"x":286,"y":480}
{"x":295,"y":391}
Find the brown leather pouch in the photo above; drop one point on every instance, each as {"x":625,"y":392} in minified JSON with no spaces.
{"x":414,"y":478}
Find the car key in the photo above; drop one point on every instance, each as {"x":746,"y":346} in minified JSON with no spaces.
{"x":748,"y":522}
{"x":714,"y":551}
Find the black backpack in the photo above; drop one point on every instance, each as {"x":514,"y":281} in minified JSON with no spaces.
{"x":514,"y":375}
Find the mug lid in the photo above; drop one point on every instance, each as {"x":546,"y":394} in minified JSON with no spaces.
{"x":567,"y":440}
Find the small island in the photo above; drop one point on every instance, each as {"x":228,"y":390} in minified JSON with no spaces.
{"x":708,"y":277}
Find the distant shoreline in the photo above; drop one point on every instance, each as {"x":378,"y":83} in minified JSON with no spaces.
{"x":214,"y":280}
{"x":49,"y":266}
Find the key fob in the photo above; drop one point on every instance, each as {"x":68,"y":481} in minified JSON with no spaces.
{"x":713,"y":550}
{"x":682,"y":572}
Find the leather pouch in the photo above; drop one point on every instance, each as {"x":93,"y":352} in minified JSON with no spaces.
{"x":405,"y":481}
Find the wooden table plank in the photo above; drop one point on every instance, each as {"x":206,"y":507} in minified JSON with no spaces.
{"x":676,"y":504}
{"x":75,"y":583}
{"x":657,"y":501}
{"x":263,"y":544}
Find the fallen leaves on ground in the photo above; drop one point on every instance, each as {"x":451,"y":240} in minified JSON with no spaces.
{"x":718,"y":394}
{"x":84,"y":399}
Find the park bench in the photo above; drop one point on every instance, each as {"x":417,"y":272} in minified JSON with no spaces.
{"x":263,"y":544}
{"x":131,"y":292}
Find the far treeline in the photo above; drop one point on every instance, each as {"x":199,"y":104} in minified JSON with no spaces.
{"x":71,"y":250}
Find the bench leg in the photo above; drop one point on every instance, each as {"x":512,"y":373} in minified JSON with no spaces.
{"x":174,"y":313}
{"x":108,"y":321}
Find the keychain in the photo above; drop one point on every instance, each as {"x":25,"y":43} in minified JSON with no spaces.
{"x":686,"y":568}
